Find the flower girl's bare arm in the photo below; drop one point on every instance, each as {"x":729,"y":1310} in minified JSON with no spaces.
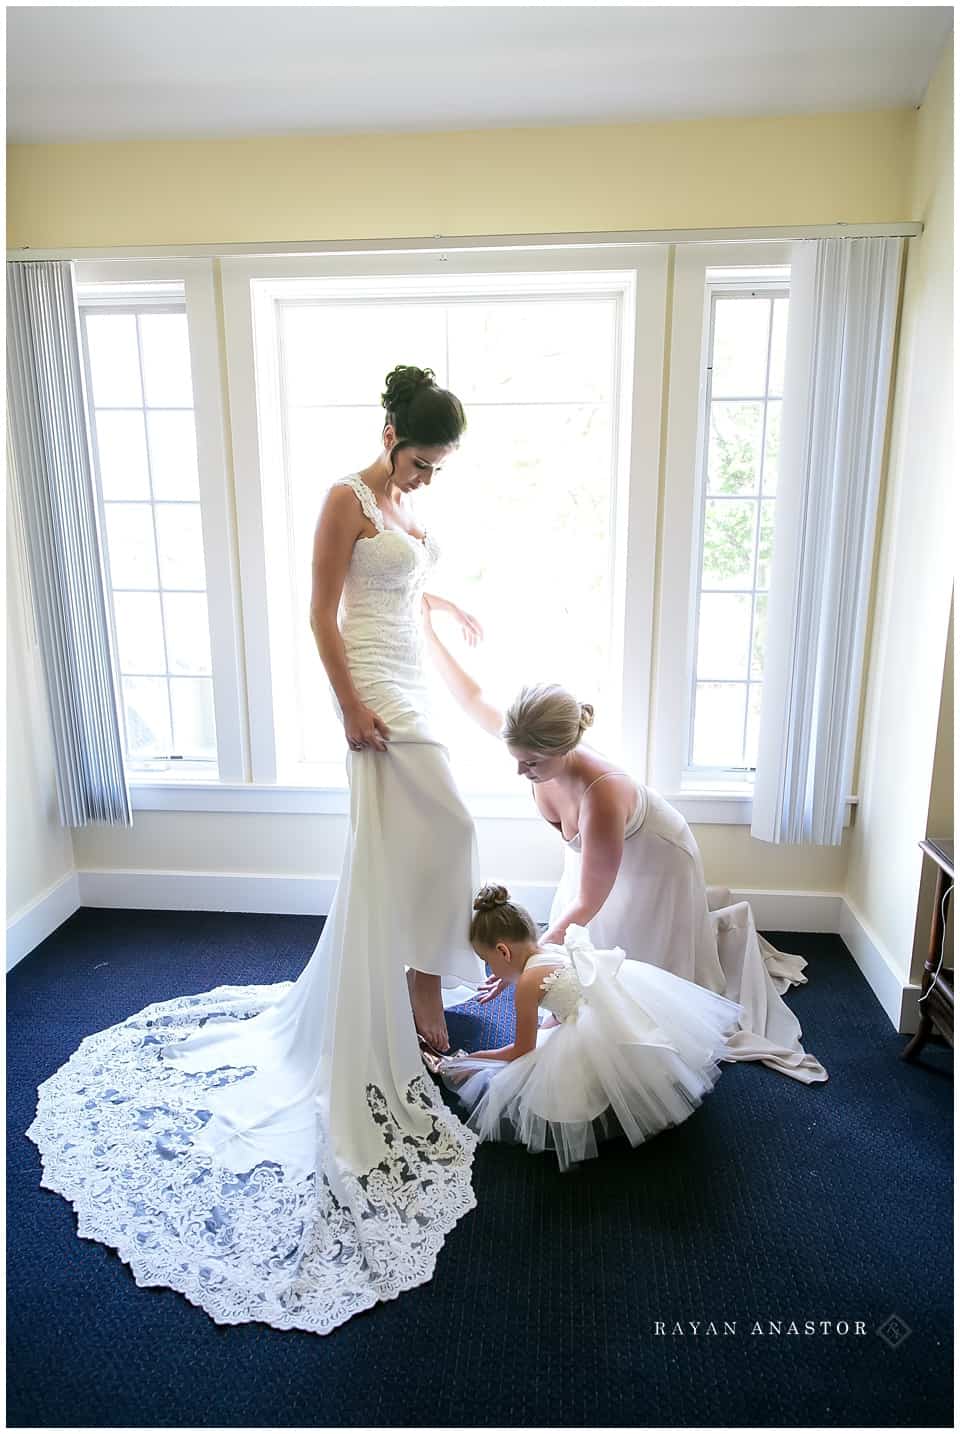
{"x":526,"y":999}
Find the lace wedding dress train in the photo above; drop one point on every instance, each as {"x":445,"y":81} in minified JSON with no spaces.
{"x":277,"y":1153}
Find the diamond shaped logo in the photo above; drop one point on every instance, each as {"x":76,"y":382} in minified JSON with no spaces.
{"x":894,"y":1331}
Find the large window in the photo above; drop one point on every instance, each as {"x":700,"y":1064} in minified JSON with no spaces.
{"x":140,"y":393}
{"x":531,"y":513}
{"x":743,"y":393}
{"x":726,"y":384}
{"x":608,"y":516}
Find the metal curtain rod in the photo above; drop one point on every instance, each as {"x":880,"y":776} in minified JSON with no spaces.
{"x":456,"y":243}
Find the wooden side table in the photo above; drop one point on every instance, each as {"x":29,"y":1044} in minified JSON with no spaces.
{"x":936,"y":990}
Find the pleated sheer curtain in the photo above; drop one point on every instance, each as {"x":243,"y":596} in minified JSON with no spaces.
{"x":51,"y":471}
{"x":843,"y":306}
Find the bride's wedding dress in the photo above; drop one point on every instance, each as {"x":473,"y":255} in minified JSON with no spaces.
{"x":278,"y":1153}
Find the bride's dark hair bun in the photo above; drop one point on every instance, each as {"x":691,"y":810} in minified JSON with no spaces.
{"x":419,"y":411}
{"x":403,"y":382}
{"x":489,"y":897}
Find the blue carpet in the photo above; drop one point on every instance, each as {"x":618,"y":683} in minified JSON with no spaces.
{"x":773,"y":1201}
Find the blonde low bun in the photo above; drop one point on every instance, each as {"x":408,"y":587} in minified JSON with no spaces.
{"x":546,"y":719}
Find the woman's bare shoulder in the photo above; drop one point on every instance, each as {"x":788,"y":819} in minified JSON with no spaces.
{"x":611,"y":792}
{"x":342,"y":510}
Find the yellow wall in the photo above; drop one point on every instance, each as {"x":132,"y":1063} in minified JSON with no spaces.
{"x":918,"y":540}
{"x":799,"y":169}
{"x":693,"y":174}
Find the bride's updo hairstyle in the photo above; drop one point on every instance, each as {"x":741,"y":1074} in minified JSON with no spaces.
{"x":420,"y":412}
{"x":497,"y":918}
{"x":546,"y":719}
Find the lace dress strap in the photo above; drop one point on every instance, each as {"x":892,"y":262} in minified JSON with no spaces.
{"x":367,"y":500}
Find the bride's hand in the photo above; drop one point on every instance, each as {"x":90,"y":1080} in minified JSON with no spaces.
{"x":363,"y":728}
{"x":488,"y":989}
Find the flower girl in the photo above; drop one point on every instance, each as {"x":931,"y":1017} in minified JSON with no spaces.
{"x":627,"y":1048}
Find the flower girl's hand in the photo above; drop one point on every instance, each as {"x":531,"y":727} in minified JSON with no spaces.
{"x":488,"y":989}
{"x":363,"y":728}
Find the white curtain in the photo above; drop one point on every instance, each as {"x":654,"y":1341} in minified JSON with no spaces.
{"x":843,"y":306}
{"x":50,"y":468}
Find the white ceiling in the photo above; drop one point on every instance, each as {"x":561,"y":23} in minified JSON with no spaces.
{"x":177,"y":71}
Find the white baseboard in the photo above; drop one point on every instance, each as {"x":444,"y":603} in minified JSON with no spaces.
{"x":813,"y":911}
{"x":208,"y":891}
{"x":311,"y":896}
{"x":41,"y":918}
{"x":794,"y":910}
{"x":897,"y":996}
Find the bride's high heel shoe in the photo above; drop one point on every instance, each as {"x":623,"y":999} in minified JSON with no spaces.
{"x":431,"y":1057}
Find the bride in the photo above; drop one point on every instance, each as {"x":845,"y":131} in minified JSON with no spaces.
{"x":277,"y":1153}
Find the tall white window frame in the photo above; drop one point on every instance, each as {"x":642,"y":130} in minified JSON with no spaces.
{"x":724,"y":798}
{"x":112,"y":285}
{"x":252,"y":287}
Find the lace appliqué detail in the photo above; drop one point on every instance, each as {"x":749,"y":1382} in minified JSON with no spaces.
{"x":562,"y":993}
{"x":114,"y":1127}
{"x":369,"y":504}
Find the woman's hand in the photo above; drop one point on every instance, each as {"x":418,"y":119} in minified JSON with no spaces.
{"x":554,"y":937}
{"x":488,"y":989}
{"x":470,"y":629}
{"x":363,"y":728}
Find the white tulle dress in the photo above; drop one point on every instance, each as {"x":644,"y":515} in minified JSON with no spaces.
{"x":278,"y":1153}
{"x":661,"y":911}
{"x":636,"y":1051}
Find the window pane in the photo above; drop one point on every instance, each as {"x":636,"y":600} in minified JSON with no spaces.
{"x":532,"y":351}
{"x":724,"y":636}
{"x":173,"y":455}
{"x":122,"y":455}
{"x":114,"y":360}
{"x":180,"y":545}
{"x":133,"y":562}
{"x":733,"y":459}
{"x":771,"y":461}
{"x":193,"y":718}
{"x":341,"y":353}
{"x":753,"y":724}
{"x":741,"y":329}
{"x":188,"y":634}
{"x":728,"y":542}
{"x":758,"y":648}
{"x":718,"y":728}
{"x":778,"y":345}
{"x":324,"y":444}
{"x":765,"y":555}
{"x":148,"y":716}
{"x":139,"y":632}
{"x":166,"y":360}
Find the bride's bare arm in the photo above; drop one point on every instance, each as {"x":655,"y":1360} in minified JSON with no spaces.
{"x":465,"y":688}
{"x":338,"y":527}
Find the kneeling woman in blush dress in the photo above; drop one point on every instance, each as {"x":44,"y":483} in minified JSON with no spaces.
{"x":633,"y":874}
